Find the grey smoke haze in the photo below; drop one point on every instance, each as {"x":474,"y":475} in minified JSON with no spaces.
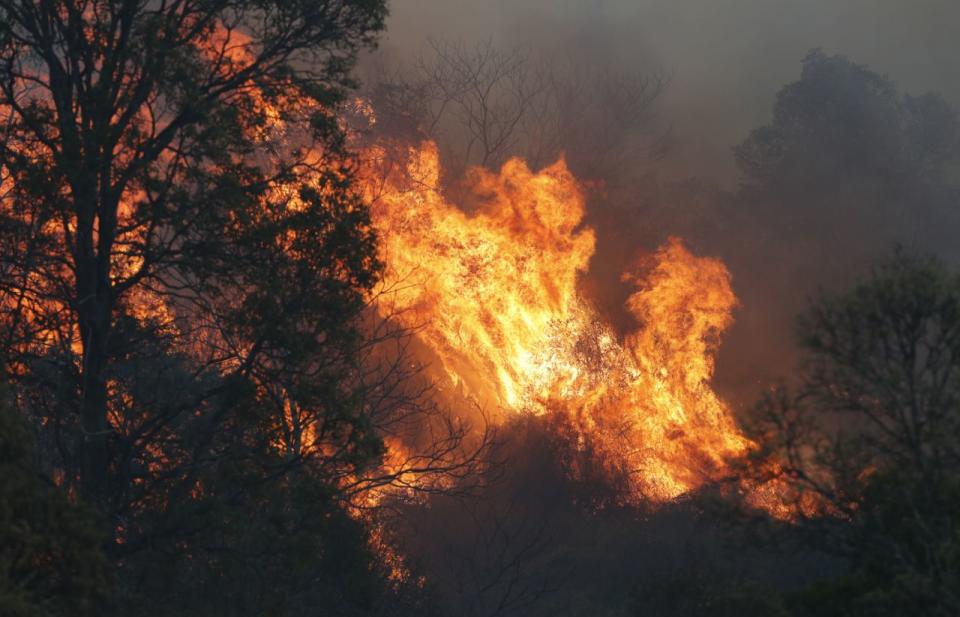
{"x":728,"y":58}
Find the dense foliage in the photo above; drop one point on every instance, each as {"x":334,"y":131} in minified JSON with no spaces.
{"x":50,"y":557}
{"x":184,"y":266}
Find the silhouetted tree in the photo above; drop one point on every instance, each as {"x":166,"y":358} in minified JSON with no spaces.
{"x":847,"y":166}
{"x":868,"y":443}
{"x":846,"y":152}
{"x":185,"y":272}
{"x":483,"y":104}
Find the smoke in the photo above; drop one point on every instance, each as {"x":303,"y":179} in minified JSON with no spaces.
{"x":728,"y":59}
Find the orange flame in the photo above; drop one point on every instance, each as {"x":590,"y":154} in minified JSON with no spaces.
{"x":493,"y":294}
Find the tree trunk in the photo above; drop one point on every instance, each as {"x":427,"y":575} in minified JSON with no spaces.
{"x":94,"y":306}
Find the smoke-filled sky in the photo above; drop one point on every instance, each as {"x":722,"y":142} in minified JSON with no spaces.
{"x":728,"y":58}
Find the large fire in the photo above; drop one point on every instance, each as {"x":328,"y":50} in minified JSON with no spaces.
{"x":493,"y":293}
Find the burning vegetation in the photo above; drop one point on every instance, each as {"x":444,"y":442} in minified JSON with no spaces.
{"x":494,"y":296}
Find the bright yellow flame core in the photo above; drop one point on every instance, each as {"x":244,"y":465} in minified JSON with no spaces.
{"x":493,"y":294}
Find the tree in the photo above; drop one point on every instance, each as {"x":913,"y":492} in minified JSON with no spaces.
{"x":846,"y":150}
{"x":840,"y":123}
{"x":868,"y":444}
{"x":847,"y":166}
{"x":131,"y":151}
{"x":484,"y":104}
{"x":50,"y":557}
{"x":185,"y":274}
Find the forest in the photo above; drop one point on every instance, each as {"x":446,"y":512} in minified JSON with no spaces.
{"x":319,"y":307}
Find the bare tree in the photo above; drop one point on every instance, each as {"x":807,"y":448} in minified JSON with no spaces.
{"x":484,"y":104}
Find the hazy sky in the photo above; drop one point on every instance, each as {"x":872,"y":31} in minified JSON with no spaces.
{"x":728,"y":57}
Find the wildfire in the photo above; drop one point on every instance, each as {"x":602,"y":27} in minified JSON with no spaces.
{"x":492,"y":292}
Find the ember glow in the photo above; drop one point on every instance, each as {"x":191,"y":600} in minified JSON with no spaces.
{"x":493,"y":293}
